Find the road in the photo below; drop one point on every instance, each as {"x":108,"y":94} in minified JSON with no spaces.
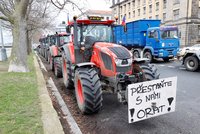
{"x":113,"y":118}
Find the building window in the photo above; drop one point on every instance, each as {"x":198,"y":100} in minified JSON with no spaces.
{"x":129,"y":6}
{"x":144,"y":2}
{"x":157,"y":6}
{"x":138,"y":12}
{"x":164,"y":17}
{"x":176,"y":14}
{"x":121,"y":9}
{"x":150,"y":8}
{"x":150,"y":1}
{"x":133,"y":14}
{"x":138,"y":3}
{"x":133,"y":2}
{"x":157,"y":17}
{"x":176,"y":1}
{"x":129,"y":15}
{"x":107,"y":18}
{"x":144,"y":10}
{"x":164,"y":4}
{"x":199,"y":29}
{"x":124,"y":8}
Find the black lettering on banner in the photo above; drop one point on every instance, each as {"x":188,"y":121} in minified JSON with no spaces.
{"x":150,"y":111}
{"x":152,"y":96}
{"x":145,"y":89}
{"x":138,"y":100}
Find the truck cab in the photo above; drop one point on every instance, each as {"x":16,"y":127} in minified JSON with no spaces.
{"x":162,"y":42}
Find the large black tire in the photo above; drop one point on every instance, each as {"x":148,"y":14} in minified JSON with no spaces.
{"x":149,"y":72}
{"x":148,"y":55}
{"x":191,"y":63}
{"x":67,"y":74}
{"x":51,"y":62}
{"x":166,"y":59}
{"x":58,"y":67}
{"x":88,"y":90}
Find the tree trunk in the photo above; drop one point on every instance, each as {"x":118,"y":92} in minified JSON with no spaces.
{"x":29,"y":45}
{"x":18,"y":61}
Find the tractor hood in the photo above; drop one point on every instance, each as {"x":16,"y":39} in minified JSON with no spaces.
{"x":115,"y":50}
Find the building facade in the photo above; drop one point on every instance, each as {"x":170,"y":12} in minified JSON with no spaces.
{"x":183,"y":13}
{"x":106,"y":15}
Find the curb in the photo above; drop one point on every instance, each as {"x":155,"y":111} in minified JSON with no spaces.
{"x":50,"y":120}
{"x":69,"y":118}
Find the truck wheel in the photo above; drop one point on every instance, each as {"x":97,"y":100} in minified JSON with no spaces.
{"x":67,"y":75}
{"x":136,"y":54}
{"x":166,"y":59}
{"x":191,"y":63}
{"x":149,"y":72}
{"x":148,"y":55}
{"x":57,"y":67}
{"x":88,"y":90}
{"x":51,"y":60}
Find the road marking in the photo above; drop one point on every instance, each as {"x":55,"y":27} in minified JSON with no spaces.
{"x":162,"y":65}
{"x":171,"y":66}
{"x":182,"y":68}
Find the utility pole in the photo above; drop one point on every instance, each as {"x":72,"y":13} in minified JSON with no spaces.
{"x":3,"y":55}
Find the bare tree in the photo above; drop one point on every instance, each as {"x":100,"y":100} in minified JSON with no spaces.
{"x":25,"y":17}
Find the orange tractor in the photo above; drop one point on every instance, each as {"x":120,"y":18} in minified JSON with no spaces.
{"x":91,"y":62}
{"x":54,"y":54}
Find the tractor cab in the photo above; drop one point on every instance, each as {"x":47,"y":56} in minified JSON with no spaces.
{"x":86,"y":33}
{"x":60,"y":39}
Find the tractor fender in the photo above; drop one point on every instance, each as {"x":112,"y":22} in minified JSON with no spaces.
{"x":53,"y":51}
{"x":85,"y":64}
{"x":68,"y":52}
{"x":148,"y":48}
{"x":140,"y":60}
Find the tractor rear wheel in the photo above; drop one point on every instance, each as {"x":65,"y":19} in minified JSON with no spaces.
{"x":57,"y":67}
{"x":88,"y":90}
{"x":67,"y":75}
{"x":149,"y":72}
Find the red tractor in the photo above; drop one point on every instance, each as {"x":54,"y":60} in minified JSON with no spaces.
{"x":54,"y":54}
{"x":92,"y":63}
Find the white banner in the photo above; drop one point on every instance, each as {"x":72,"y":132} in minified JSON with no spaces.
{"x":151,"y":98}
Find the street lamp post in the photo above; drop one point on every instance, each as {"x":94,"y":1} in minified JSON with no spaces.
{"x":3,"y":55}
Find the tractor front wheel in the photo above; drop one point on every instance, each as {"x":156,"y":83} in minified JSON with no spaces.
{"x":57,"y":67}
{"x":88,"y":90}
{"x":67,"y":74}
{"x":51,"y":60}
{"x":149,"y":72}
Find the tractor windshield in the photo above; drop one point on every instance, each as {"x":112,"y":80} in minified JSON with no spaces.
{"x":101,"y":33}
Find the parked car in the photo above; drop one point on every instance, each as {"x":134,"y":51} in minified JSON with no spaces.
{"x":182,"y":51}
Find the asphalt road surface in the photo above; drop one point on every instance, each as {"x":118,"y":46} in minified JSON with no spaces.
{"x":113,"y":118}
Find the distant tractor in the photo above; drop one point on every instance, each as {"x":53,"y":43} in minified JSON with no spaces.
{"x":191,"y":60}
{"x":92,"y":62}
{"x":55,"y":55}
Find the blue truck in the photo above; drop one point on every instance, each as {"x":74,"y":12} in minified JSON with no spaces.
{"x":148,"y":39}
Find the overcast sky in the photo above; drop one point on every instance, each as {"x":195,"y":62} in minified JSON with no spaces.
{"x":89,"y":4}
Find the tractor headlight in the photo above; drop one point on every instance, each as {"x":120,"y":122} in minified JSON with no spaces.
{"x":123,"y":62}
